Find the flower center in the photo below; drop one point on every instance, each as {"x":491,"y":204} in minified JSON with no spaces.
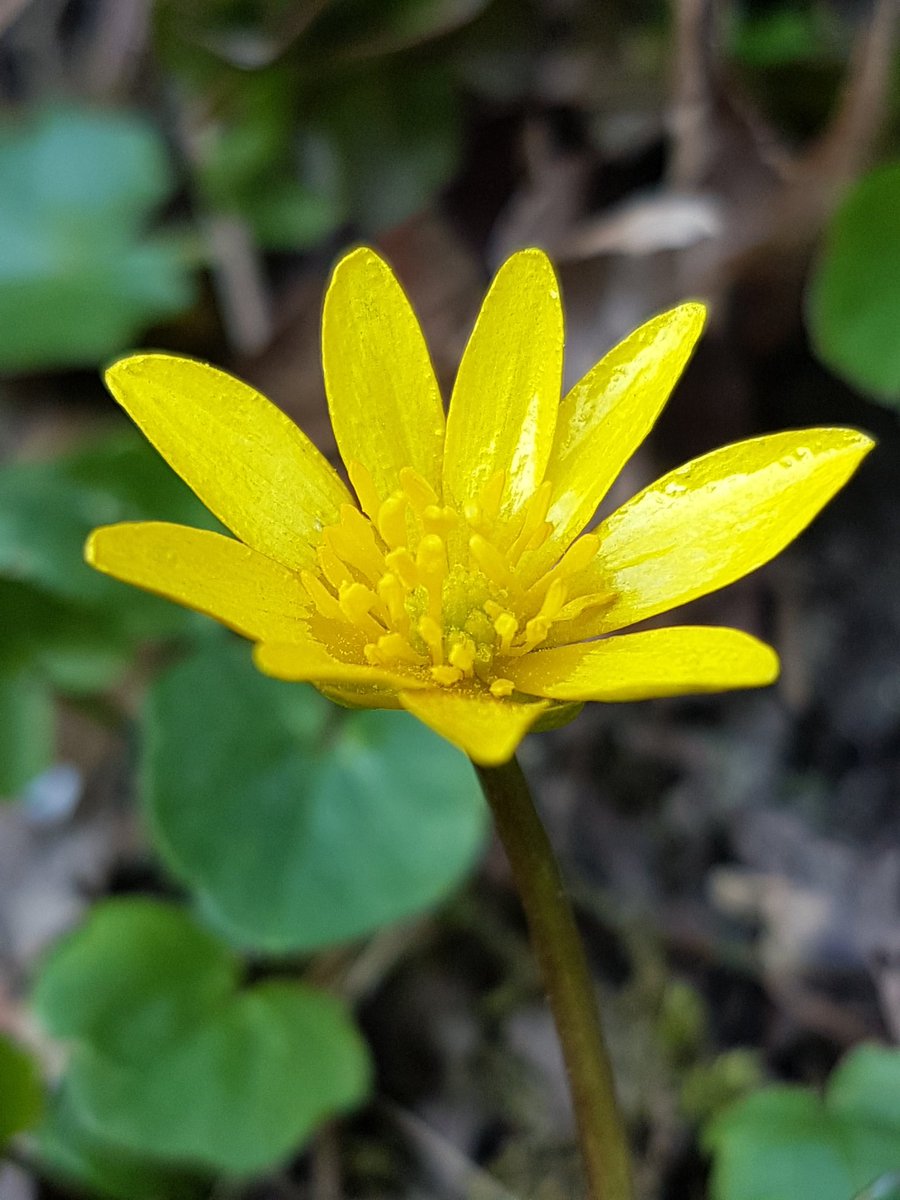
{"x":432,"y":588}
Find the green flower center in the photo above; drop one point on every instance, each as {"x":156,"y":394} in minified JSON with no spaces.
{"x":435,"y":589}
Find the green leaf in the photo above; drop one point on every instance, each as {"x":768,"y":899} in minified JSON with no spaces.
{"x":784,"y":1142}
{"x":79,"y":277}
{"x":782,"y":35}
{"x":21,"y":1093}
{"x":73,"y":626}
{"x":395,"y":134}
{"x":853,"y":305}
{"x":66,"y":1150}
{"x":887,"y":1187}
{"x":173,"y":1060}
{"x":298,"y":825}
{"x":26,"y":730}
{"x":373,"y":27}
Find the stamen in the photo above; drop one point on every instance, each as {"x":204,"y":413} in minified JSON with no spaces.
{"x":491,"y":495}
{"x":581,"y":604}
{"x":431,"y":565}
{"x":402,"y":564}
{"x":364,"y":486}
{"x":535,"y":512}
{"x":433,"y":637}
{"x":491,"y":561}
{"x":428,"y":586}
{"x":334,"y":569}
{"x":392,"y":520}
{"x":579,"y":555}
{"x":446,"y":676}
{"x":392,"y":594}
{"x":418,"y":490}
{"x":507,"y":627}
{"x":325,"y":603}
{"x":356,"y":602}
{"x":462,"y":655}
{"x":353,"y":540}
{"x":439,"y":520}
{"x":395,"y":648}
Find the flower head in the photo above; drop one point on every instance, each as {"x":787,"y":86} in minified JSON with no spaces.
{"x":458,"y":583}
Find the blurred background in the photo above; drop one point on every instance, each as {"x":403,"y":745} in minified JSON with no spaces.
{"x":182,"y":176}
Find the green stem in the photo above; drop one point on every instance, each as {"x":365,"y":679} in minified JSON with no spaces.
{"x":567,"y":979}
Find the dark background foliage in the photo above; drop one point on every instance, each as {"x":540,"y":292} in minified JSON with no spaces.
{"x":183,"y":176}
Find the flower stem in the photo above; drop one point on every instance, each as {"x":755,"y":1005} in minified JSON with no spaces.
{"x":567,"y":979}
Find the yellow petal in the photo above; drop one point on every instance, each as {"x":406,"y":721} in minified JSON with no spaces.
{"x":384,"y":399}
{"x":658,"y":662}
{"x":486,"y":729}
{"x":607,"y":415}
{"x":309,"y":661}
{"x":246,"y":460}
{"x":204,"y":571}
{"x":711,"y":522}
{"x":503,"y":411}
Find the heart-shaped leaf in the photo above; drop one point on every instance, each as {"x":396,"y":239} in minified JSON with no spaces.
{"x":26,"y":729}
{"x":854,"y":297}
{"x":66,"y":1150}
{"x":172,"y":1059}
{"x":299,"y":825}
{"x":79,"y":276}
{"x":21,"y":1094}
{"x":782,"y":1143}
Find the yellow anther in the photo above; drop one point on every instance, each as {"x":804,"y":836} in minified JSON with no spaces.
{"x":325,"y":603}
{"x":534,"y":512}
{"x":491,"y":495}
{"x":540,"y":535}
{"x":392,"y":521}
{"x":581,"y":604}
{"x":507,"y":627}
{"x":433,"y":636}
{"x":579,"y":555}
{"x":491,"y":561}
{"x":446,"y":676}
{"x":493,"y":609}
{"x":364,"y":486}
{"x":356,"y":602}
{"x":402,"y":564}
{"x":395,"y":648}
{"x":392,"y":595}
{"x":554,"y":600}
{"x":354,"y":542}
{"x":502,"y":687}
{"x":462,"y":655}
{"x":439,"y":520}
{"x":374,"y":656}
{"x":431,"y":556}
{"x":418,"y":489}
{"x":431,"y":563}
{"x":334,"y":569}
{"x":536,"y":631}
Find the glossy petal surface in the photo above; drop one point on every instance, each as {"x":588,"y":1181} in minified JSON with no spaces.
{"x":205,"y":571}
{"x":606,"y":416}
{"x":486,"y":729}
{"x":310,"y":662}
{"x":503,"y":410}
{"x":246,"y":460}
{"x":382,"y":393}
{"x":711,"y":522}
{"x":657,"y":662}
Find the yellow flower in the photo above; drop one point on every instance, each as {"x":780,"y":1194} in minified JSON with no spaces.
{"x":456,"y":584}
